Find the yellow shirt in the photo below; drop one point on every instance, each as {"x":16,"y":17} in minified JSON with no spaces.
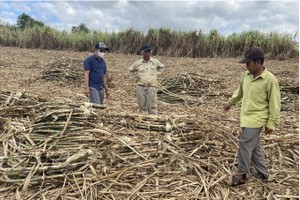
{"x":146,"y":71}
{"x":260,"y":100}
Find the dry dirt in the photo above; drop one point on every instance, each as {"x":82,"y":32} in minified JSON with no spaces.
{"x":23,"y":69}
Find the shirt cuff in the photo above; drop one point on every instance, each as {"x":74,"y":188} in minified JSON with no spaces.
{"x":231,"y":102}
{"x":270,"y":125}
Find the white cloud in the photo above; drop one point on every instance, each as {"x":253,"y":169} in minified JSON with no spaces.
{"x":8,"y":17}
{"x":225,"y":16}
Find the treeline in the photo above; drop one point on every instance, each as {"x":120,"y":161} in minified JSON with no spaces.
{"x":165,"y":42}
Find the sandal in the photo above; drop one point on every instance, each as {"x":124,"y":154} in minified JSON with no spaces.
{"x":235,"y":181}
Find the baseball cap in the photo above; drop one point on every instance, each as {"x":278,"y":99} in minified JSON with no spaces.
{"x":101,"y":45}
{"x":146,"y":47}
{"x":254,"y":53}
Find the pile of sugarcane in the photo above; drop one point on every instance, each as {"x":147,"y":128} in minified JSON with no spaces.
{"x":67,"y":144}
{"x":188,"y":88}
{"x":85,"y":151}
{"x":8,"y":98}
{"x":14,"y":105}
{"x":292,"y":89}
{"x":67,"y":70}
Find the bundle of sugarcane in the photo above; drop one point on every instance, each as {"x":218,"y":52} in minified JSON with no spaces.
{"x":97,"y":156}
{"x":58,"y":130}
{"x":81,"y":152}
{"x":149,"y":122}
{"x":67,"y":70}
{"x":58,"y":113}
{"x":288,"y":102}
{"x":50,"y":143}
{"x":292,"y":89}
{"x":188,"y":88}
{"x":8,"y":98}
{"x":17,"y":104}
{"x":125,"y":163}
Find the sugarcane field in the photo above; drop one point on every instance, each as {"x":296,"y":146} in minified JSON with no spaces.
{"x":57,"y":145}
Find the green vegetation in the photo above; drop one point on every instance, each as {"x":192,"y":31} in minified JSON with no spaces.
{"x":25,"y":20}
{"x":80,"y":28}
{"x":30,"y":33}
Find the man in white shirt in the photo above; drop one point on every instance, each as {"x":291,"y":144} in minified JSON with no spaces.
{"x":146,"y":70}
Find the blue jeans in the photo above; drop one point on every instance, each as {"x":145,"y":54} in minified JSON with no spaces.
{"x":96,"y":96}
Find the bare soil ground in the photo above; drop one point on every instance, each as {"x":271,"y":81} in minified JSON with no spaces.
{"x":22,"y":69}
{"x":26,"y":70}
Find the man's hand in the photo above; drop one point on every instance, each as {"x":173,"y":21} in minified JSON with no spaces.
{"x":226,"y":107}
{"x":87,"y":91}
{"x":268,"y":130}
{"x":107,"y":93}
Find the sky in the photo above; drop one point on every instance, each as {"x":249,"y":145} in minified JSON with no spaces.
{"x":225,"y":16}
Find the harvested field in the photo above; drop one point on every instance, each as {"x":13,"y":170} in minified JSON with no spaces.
{"x":54,"y":145}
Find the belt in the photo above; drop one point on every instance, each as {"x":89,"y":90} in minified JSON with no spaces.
{"x":146,"y":86}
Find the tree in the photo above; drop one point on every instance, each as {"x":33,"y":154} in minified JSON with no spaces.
{"x":80,"y":28}
{"x":25,"y":20}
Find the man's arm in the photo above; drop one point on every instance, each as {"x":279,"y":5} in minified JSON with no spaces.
{"x":238,"y":94}
{"x":274,"y":105}
{"x":160,"y":67}
{"x":107,"y":92}
{"x":86,"y":83}
{"x":132,"y":70}
{"x":236,"y":97}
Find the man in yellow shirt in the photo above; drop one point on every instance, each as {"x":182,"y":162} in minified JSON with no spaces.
{"x":260,"y":95}
{"x":146,"y":71}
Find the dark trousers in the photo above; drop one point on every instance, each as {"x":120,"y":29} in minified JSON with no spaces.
{"x":250,"y":151}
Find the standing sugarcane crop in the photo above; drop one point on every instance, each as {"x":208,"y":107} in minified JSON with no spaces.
{"x":260,"y":95}
{"x":146,"y":70}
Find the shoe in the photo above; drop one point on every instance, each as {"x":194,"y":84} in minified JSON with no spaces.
{"x":236,"y":180}
{"x":260,"y":176}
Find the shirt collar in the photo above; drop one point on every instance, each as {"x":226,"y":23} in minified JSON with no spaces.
{"x":262,"y":75}
{"x":150,"y":60}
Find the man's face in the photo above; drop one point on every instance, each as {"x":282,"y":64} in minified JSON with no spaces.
{"x":147,"y":54}
{"x":252,"y":67}
{"x":100,"y":52}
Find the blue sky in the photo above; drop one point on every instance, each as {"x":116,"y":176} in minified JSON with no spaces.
{"x":225,"y":16}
